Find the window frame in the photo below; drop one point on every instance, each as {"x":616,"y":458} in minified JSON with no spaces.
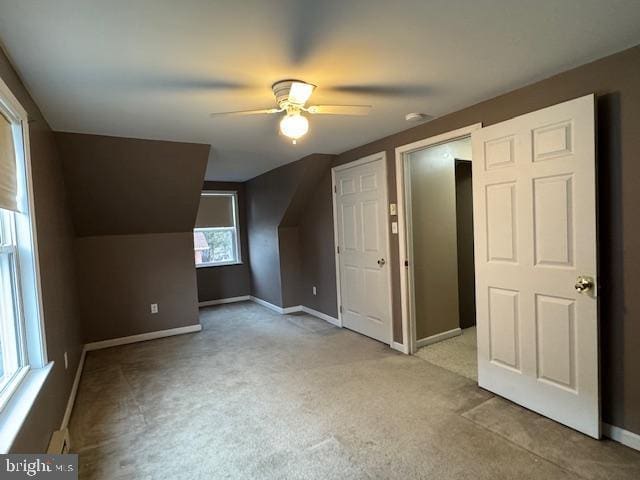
{"x":19,"y":394}
{"x":236,"y":228}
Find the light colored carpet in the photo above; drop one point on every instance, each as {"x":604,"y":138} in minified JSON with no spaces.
{"x":457,"y":354}
{"x":258,"y":395}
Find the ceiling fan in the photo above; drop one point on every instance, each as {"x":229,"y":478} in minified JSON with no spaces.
{"x":291,"y":97}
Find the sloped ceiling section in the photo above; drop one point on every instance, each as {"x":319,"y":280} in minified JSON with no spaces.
{"x":274,"y":201}
{"x":120,"y":186}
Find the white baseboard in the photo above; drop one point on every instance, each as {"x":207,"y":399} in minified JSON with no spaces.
{"x":266,"y":304}
{"x":296,"y":308}
{"x":400,"y":347}
{"x":114,"y":342}
{"x":423,"y":342}
{"x":625,"y":437}
{"x":74,"y":390}
{"x":321,"y":316}
{"x":221,"y":301}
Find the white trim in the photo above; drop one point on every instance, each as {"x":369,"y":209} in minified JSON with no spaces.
{"x":221,"y":301}
{"x":266,"y":304}
{"x":276,"y":308}
{"x":438,"y":337}
{"x":143,"y":337}
{"x":321,"y":316}
{"x":400,"y":347}
{"x":336,"y":242}
{"x":379,"y":156}
{"x":19,"y":405}
{"x":625,"y":437}
{"x":74,"y":390}
{"x":408,"y":334}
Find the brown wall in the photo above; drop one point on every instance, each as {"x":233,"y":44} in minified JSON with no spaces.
{"x":616,"y":82}
{"x":122,"y":275}
{"x":55,"y":243}
{"x":276,"y":201}
{"x":227,"y":281}
{"x":464,"y":241}
{"x":134,"y":204}
{"x":128,"y":185}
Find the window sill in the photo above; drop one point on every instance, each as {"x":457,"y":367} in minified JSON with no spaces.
{"x":209,"y":265}
{"x":19,"y":405}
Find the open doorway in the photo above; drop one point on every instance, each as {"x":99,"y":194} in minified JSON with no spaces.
{"x":439,"y":251}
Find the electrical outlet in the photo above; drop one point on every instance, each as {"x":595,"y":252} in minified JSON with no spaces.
{"x":393,"y":209}
{"x":315,"y":292}
{"x":66,"y":361}
{"x":154,"y":308}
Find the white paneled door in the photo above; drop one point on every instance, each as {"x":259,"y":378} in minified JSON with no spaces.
{"x":360,"y":191}
{"x":535,"y":239}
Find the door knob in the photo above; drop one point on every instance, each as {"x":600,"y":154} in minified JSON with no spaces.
{"x":583,"y":284}
{"x":381,"y":262}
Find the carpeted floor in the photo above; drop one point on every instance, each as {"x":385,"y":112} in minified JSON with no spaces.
{"x":458,"y":354}
{"x":258,"y":395}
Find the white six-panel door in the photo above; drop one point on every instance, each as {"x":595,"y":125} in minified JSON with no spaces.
{"x":362,"y":238}
{"x":535,"y":236}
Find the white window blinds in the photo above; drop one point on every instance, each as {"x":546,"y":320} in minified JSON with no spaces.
{"x":8,"y":177}
{"x":216,"y":210}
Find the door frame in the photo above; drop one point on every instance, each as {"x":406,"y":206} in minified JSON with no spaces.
{"x":404,"y":228}
{"x":379,"y":156}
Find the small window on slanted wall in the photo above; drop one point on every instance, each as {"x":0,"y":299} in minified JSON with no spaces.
{"x":216,"y":239}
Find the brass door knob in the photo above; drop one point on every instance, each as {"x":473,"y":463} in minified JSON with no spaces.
{"x":583,"y":284}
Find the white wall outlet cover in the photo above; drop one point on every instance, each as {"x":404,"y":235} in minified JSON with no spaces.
{"x":394,"y":227}
{"x":393,"y":209}
{"x":315,"y":292}
{"x":154,"y":308}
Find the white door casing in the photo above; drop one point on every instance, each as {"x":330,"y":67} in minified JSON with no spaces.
{"x":534,"y":195}
{"x":362,"y":239}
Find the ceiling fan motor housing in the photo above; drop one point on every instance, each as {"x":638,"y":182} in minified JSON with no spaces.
{"x":281,"y":90}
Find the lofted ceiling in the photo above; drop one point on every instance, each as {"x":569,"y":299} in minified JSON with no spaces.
{"x":155,"y":69}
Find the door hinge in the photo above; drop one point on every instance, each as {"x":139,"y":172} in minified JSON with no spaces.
{"x":338,"y":249}
{"x":340,"y":308}
{"x":406,"y":263}
{"x":335,"y":189}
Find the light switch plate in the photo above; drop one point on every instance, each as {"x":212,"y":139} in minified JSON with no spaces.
{"x":393,"y":209}
{"x":394,"y":227}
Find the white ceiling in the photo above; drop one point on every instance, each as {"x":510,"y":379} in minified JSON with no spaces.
{"x":156,"y":68}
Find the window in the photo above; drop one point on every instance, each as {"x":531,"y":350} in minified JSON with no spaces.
{"x":21,"y":333}
{"x":215,"y":237}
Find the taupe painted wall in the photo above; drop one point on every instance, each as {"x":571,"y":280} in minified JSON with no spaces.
{"x":227,"y":281}
{"x":616,"y":82}
{"x":121,"y":186}
{"x":134,"y":204}
{"x":275,"y":202}
{"x":121,"y":275}
{"x":434,"y":234}
{"x":55,"y":243}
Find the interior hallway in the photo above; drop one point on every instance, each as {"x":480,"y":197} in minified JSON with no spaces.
{"x":260,"y":395}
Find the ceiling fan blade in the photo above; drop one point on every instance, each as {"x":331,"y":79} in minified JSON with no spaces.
{"x":340,"y":109}
{"x":300,"y":92}
{"x":247,"y":112}
{"x":383,"y":90}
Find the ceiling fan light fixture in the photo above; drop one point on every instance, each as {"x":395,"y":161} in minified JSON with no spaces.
{"x":294,"y":126}
{"x":300,"y":92}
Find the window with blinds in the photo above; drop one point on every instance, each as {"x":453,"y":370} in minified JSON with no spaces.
{"x":216,"y":239}
{"x":22,"y":349}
